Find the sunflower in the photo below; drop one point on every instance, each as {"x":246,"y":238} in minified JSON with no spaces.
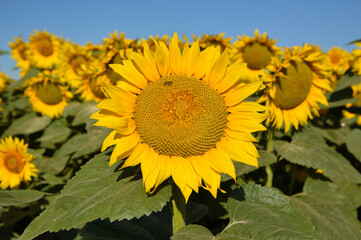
{"x":18,"y":53}
{"x":181,"y":115}
{"x":4,"y":81}
{"x":351,"y":108}
{"x":46,"y":95}
{"x":338,"y":62}
{"x":296,"y":86}
{"x":214,"y":40}
{"x":15,"y":163}
{"x":75,"y":58}
{"x":256,"y":52}
{"x":89,"y":86}
{"x":356,"y":63}
{"x":44,"y":50}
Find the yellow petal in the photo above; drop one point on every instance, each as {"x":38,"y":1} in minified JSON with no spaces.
{"x":138,"y":154}
{"x":192,"y":58}
{"x":234,"y":72}
{"x":149,"y":71}
{"x":220,"y":162}
{"x":175,"y":55}
{"x":120,"y":107}
{"x":240,"y":93}
{"x":130,"y":73}
{"x":218,"y":70}
{"x":162,"y":58}
{"x":124,"y":148}
{"x":109,"y":140}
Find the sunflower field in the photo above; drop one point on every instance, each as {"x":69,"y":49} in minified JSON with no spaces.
{"x":205,"y":137}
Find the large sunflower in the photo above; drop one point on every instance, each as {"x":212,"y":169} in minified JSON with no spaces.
{"x":18,"y":53}
{"x":256,"y":52}
{"x":296,"y":86}
{"x":46,"y":95}
{"x":44,"y":50}
{"x":15,"y":163}
{"x":181,"y":115}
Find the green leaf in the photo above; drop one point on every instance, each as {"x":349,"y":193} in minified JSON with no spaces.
{"x":57,"y":132}
{"x":335,"y":135}
{"x":19,"y":197}
{"x":83,"y":114}
{"x":330,"y":212}
{"x":83,"y":144}
{"x":309,"y":149}
{"x":266,"y":158}
{"x":27,"y":124}
{"x":97,"y":191}
{"x":258,"y":212}
{"x":107,"y":230}
{"x":193,"y":232}
{"x":346,"y":81}
{"x":354,"y":143}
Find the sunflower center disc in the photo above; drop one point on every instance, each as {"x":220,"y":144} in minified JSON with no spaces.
{"x":257,"y":56}
{"x":291,"y":91}
{"x":335,"y":58}
{"x":48,"y":93}
{"x":180,"y":116}
{"x":13,"y":163}
{"x":45,"y":47}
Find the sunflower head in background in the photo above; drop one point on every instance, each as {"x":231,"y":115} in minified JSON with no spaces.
{"x":214,"y":40}
{"x":181,"y":114}
{"x":297,"y":83}
{"x":74,"y":61}
{"x":18,"y":53}
{"x":257,"y":52}
{"x":356,"y":61}
{"x":46,"y":94}
{"x":44,"y":50}
{"x":338,"y":62}
{"x":15,"y":163}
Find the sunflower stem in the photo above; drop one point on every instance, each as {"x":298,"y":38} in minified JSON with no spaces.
{"x":177,"y":208}
{"x":269,"y":171}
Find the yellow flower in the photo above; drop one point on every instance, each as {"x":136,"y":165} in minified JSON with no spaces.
{"x":181,"y":115}
{"x":4,"y":81}
{"x":75,"y":59}
{"x":18,"y":53}
{"x":44,"y":50}
{"x":89,"y":86}
{"x":296,"y":86}
{"x":349,"y":113}
{"x":256,"y":52}
{"x":214,"y":40}
{"x":356,"y":63}
{"x":15,"y":163}
{"x":46,"y":95}
{"x":337,"y":61}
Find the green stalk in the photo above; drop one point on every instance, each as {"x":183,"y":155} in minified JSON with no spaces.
{"x":177,"y":208}
{"x":269,"y":149}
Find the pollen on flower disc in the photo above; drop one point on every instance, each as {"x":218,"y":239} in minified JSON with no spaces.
{"x":180,"y":116}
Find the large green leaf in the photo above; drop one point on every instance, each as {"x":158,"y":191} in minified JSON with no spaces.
{"x":258,"y":212}
{"x":57,"y":132}
{"x":309,"y":149}
{"x":19,"y":197}
{"x":27,"y":124}
{"x":193,"y":232}
{"x":335,"y":135}
{"x":265,"y":158}
{"x":107,"y":230}
{"x":346,"y":81}
{"x":83,"y":144}
{"x":80,"y":111}
{"x":330,"y":212}
{"x":353,"y":143}
{"x":97,"y":191}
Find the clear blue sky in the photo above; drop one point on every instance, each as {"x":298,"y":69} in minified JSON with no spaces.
{"x":325,"y":23}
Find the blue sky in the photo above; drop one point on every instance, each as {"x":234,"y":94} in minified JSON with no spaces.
{"x":325,"y":23}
